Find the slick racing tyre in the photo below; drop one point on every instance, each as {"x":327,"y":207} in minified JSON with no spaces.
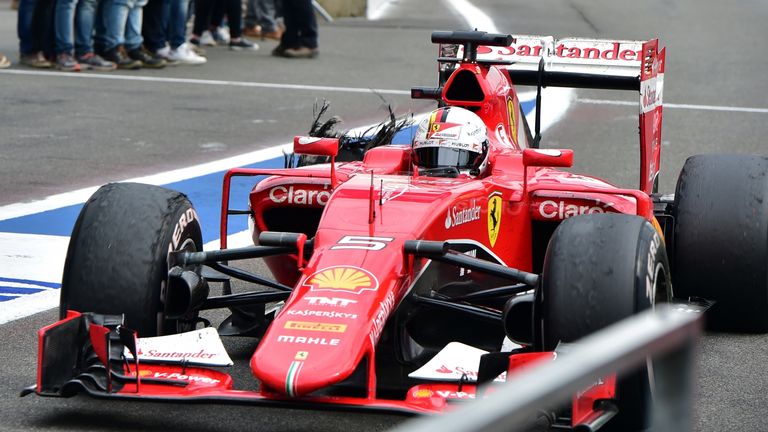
{"x":598,"y":270}
{"x":117,"y":257}
{"x":721,"y":238}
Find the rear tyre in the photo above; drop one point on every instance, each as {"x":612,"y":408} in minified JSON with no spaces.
{"x":598,"y":270}
{"x":721,"y":238}
{"x":117,"y":257}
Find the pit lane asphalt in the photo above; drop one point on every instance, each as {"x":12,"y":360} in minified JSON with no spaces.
{"x":63,"y":133}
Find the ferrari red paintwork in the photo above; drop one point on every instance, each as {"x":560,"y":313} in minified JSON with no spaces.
{"x":360,"y":215}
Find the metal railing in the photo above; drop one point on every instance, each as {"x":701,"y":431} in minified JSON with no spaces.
{"x":669,"y":335}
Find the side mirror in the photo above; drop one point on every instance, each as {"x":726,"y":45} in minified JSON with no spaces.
{"x":547,"y":158}
{"x":319,"y":147}
{"x":316,"y":146}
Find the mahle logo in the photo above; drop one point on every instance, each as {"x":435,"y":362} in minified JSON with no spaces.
{"x":343,"y":279}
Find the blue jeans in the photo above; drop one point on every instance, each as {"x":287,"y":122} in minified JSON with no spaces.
{"x":64,"y":26}
{"x":164,"y":21}
{"x":119,"y":24}
{"x":34,"y":26}
{"x":175,"y":21}
{"x":85,"y":19}
{"x":261,"y":12}
{"x":24,"y":26}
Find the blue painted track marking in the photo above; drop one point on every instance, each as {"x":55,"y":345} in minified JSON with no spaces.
{"x":203,"y":191}
{"x":31,"y":282}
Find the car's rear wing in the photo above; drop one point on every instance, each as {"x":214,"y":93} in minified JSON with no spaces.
{"x":544,"y":61}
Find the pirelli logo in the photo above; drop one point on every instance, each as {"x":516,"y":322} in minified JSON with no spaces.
{"x":313,"y":326}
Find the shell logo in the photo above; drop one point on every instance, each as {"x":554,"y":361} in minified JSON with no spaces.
{"x":342,"y":278}
{"x":423,"y":393}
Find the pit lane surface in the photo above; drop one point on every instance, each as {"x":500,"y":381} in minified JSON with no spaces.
{"x":61,"y":133}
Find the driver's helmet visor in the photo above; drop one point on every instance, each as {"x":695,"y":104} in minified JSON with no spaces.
{"x":438,"y":157}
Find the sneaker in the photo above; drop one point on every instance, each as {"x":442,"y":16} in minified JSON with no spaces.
{"x":206,"y":39}
{"x":35,"y":60}
{"x":221,"y":35}
{"x":242,"y":44}
{"x":4,"y":62}
{"x":254,"y":31}
{"x":300,"y":52}
{"x":66,"y":62}
{"x":184,"y":55}
{"x":165,"y":53}
{"x":120,"y":58}
{"x":94,"y":62}
{"x":147,"y":59}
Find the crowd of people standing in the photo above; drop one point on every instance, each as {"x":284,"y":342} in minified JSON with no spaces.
{"x":104,"y":35}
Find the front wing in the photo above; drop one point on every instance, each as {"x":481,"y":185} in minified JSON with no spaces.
{"x":96,"y":355}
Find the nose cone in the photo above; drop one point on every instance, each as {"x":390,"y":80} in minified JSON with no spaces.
{"x":300,"y":364}
{"x":333,"y":319}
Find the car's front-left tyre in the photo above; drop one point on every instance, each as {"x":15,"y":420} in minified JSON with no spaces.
{"x":117,"y":257}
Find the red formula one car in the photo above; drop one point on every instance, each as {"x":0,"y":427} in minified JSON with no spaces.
{"x":404,"y":280}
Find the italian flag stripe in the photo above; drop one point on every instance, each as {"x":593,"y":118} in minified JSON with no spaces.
{"x":290,"y":378}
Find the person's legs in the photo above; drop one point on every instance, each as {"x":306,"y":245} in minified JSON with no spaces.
{"x":234,"y":10}
{"x":29,"y":49}
{"x":307,"y":23}
{"x":24,"y":20}
{"x":113,"y":25}
{"x":85,"y":17}
{"x":251,"y":14}
{"x":203,"y":10}
{"x":177,"y":23}
{"x":290,"y":38}
{"x":64,"y":21}
{"x":133,"y":38}
{"x":153,"y":27}
{"x":266,"y":14}
{"x":42,"y":27}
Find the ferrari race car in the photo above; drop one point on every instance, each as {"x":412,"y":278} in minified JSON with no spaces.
{"x":410,"y":277}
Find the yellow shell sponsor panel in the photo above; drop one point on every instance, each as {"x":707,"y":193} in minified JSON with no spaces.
{"x":342,"y":279}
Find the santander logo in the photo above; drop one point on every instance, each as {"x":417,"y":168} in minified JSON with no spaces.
{"x":456,"y":217}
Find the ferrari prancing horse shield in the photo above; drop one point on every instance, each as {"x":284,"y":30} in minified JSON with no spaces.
{"x":494,"y":217}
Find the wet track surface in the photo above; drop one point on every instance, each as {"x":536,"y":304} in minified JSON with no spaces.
{"x":62,"y":133}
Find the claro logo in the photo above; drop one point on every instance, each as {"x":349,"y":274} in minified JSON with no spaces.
{"x":291,"y":195}
{"x":551,"y":209}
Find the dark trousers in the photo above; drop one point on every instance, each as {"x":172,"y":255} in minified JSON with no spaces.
{"x":300,"y":24}
{"x":152,"y":26}
{"x":208,"y":12}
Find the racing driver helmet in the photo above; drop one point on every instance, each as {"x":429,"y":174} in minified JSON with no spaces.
{"x":449,"y":141}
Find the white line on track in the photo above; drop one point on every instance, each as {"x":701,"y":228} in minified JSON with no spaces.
{"x":81,"y":195}
{"x":167,"y":80}
{"x":475,"y":18}
{"x":677,"y":106}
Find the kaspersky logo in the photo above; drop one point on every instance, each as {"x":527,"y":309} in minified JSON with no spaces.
{"x":342,"y":279}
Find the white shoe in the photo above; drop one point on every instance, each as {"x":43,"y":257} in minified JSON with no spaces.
{"x":206,"y":39}
{"x":184,"y":55}
{"x":222,"y":35}
{"x":165,"y":53}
